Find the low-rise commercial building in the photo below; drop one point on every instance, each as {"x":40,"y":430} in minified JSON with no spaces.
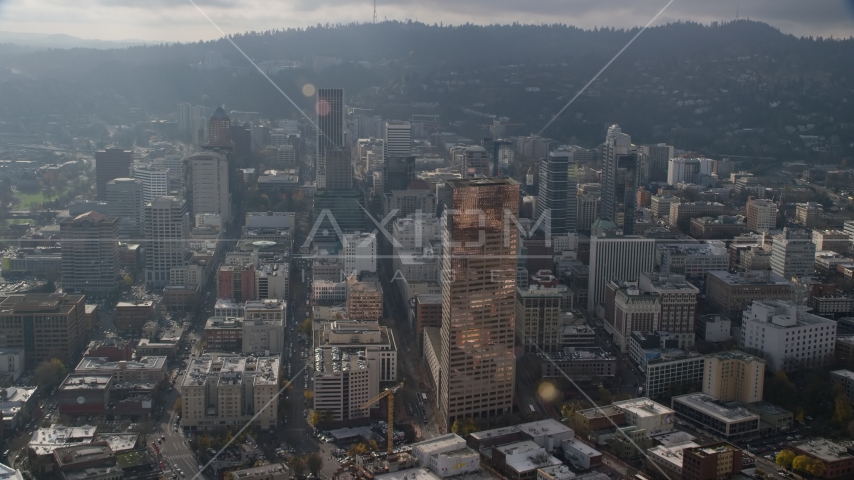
{"x":718,"y":460}
{"x":644,"y":413}
{"x":582,"y":364}
{"x":273,"y":471}
{"x":224,"y":334}
{"x":728,"y":420}
{"x":146,"y":369}
{"x":130,"y":317}
{"x":836,"y":458}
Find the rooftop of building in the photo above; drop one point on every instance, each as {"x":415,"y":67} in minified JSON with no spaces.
{"x":80,"y":382}
{"x":578,"y":354}
{"x":270,"y":469}
{"x":643,"y":407}
{"x":671,"y":454}
{"x":102,"y":363}
{"x":45,"y":440}
{"x":735,"y":355}
{"x":495,"y":432}
{"x":753,"y":277}
{"x":582,"y":447}
{"x":541,"y":428}
{"x":847,"y":374}
{"x":136,"y":303}
{"x":558,"y":291}
{"x":725,"y":412}
{"x":224,"y":323}
{"x":82,"y":453}
{"x":336,"y":360}
{"x":781,"y":314}
{"x":231,"y":369}
{"x":768,"y":408}
{"x":824,"y":449}
{"x":440,"y":443}
{"x":92,"y":472}
{"x":600,"y":412}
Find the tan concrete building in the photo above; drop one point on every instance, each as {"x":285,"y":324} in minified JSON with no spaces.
{"x":478,"y":291}
{"x":90,"y":253}
{"x":364,"y":299}
{"x":734,"y":376}
{"x":761,"y":215}
{"x":264,"y":326}
{"x":730,"y":293}
{"x":351,"y":358}
{"x":222,"y":392}
{"x":208,"y":172}
{"x":45,"y":325}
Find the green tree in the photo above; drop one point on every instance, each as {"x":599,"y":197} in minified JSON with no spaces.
{"x":50,"y":373}
{"x":785,"y":457}
{"x":314,"y":462}
{"x":297,"y":464}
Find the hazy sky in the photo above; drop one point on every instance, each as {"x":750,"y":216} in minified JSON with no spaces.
{"x":178,"y":20}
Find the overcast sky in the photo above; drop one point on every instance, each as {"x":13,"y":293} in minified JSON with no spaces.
{"x":178,"y":20}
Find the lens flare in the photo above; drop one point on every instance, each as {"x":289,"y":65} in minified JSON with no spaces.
{"x":322,"y":108}
{"x":547,"y":391}
{"x":308,"y":90}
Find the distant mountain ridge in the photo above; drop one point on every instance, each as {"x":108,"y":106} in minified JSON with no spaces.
{"x":61,"y":40}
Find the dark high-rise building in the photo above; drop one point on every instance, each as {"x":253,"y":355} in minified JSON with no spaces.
{"x":90,"y":253}
{"x":241,"y":137}
{"x":397,"y":173}
{"x":345,"y":207}
{"x":659,"y":158}
{"x":45,"y":325}
{"x":219,"y":131}
{"x":110,"y":164}
{"x":556,"y":202}
{"x":620,"y":179}
{"x":476,"y":361}
{"x":334,"y":167}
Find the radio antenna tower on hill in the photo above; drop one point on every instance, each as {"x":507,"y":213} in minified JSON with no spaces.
{"x":375,"y":11}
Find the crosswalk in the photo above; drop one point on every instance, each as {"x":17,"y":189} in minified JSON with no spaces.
{"x":183,"y":456}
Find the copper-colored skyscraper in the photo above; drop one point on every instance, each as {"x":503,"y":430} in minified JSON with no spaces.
{"x":477,"y":364}
{"x":219,"y":130}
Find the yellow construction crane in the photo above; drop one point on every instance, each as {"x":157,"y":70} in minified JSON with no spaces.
{"x":388,"y":392}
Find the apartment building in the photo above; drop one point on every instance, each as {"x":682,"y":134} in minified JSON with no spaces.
{"x":220,"y":392}
{"x":264,"y":326}
{"x":45,"y":325}
{"x":350,"y":360}
{"x":734,"y":376}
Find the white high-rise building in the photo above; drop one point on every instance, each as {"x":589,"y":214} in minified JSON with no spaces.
{"x":125,"y":202}
{"x":208,"y":172}
{"x":789,"y":336}
{"x":360,"y":253}
{"x":286,"y":157}
{"x":793,"y":254}
{"x":622,"y":257}
{"x":682,"y":170}
{"x":398,"y":139}
{"x":167,"y":227}
{"x":155,"y":181}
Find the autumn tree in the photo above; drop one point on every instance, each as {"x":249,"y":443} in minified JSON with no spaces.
{"x":314,"y":462}
{"x":800,"y":463}
{"x":50,"y":373}
{"x":305,"y":326}
{"x":605,"y":396}
{"x":179,"y":404}
{"x":842,"y":413}
{"x":785,"y":457}
{"x":297,"y":464}
{"x":308,"y":395}
{"x":816,"y":467}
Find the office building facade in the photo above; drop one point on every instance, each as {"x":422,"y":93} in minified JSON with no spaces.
{"x":477,"y":362}
{"x":109,"y":164}
{"x":90,"y":253}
